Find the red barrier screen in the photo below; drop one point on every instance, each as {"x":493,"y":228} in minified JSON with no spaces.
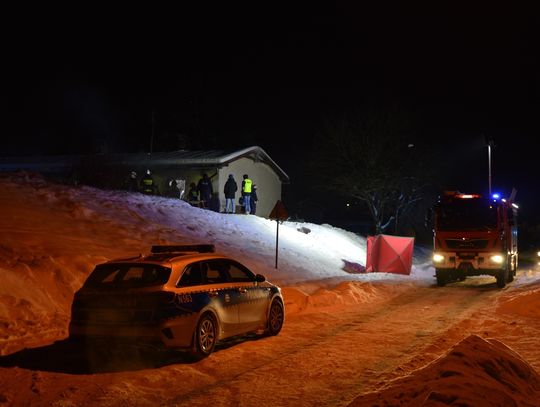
{"x":389,"y":254}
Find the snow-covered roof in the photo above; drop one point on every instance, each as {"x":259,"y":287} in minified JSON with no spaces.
{"x":203,"y":158}
{"x":184,"y":158}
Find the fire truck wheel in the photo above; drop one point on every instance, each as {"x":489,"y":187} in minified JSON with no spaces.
{"x":441,"y":277}
{"x":502,"y":277}
{"x":512,"y":269}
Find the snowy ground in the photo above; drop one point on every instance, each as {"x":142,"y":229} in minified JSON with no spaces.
{"x":53,"y":235}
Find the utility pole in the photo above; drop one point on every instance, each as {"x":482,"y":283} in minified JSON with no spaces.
{"x":152,"y":134}
{"x":490,"y":143}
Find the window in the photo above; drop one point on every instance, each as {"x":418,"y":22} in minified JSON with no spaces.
{"x":239,"y":273}
{"x":192,"y":275}
{"x":128,"y":275}
{"x":205,"y":272}
{"x":467,"y":214}
{"x":133,"y":274}
{"x":216,"y":272}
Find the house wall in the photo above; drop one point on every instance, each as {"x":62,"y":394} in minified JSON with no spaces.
{"x":262,"y":175}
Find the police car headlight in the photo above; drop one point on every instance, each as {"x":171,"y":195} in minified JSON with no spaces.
{"x":497,"y":259}
{"x":437,"y":258}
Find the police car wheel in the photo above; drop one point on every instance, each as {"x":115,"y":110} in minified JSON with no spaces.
{"x":275,"y":318}
{"x":205,"y":336}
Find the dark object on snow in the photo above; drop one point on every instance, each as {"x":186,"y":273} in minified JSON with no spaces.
{"x":353,"y":268}
{"x":304,"y":230}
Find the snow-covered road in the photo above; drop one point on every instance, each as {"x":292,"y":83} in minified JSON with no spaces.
{"x":325,"y":355}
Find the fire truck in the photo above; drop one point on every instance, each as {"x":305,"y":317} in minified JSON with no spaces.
{"x":474,"y":235}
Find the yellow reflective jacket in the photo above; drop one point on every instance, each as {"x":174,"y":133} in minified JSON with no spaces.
{"x":247,"y":186}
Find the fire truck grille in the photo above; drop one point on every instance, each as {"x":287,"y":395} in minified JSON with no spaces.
{"x":467,"y":243}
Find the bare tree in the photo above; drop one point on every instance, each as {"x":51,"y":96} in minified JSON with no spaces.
{"x":371,"y":157}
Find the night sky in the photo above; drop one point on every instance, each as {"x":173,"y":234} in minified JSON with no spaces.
{"x":89,"y":80}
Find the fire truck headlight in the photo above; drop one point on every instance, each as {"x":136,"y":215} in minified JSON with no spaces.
{"x":538,"y":254}
{"x":497,"y":259}
{"x":437,"y":258}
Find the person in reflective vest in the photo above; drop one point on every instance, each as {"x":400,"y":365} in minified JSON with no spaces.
{"x":147,"y":183}
{"x":246,"y":193}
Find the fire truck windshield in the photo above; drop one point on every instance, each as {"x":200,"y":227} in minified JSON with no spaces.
{"x":466,"y":214}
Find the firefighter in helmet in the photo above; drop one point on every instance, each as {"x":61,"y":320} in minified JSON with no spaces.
{"x":147,"y":184}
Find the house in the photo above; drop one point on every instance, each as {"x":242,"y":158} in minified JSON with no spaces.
{"x":112,"y":170}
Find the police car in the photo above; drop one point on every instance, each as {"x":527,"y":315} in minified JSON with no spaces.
{"x":179,"y":296}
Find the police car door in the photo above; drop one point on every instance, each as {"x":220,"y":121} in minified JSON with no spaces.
{"x":223,"y":297}
{"x":254,"y":297}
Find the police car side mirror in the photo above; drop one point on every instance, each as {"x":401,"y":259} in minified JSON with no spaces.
{"x":260,"y":278}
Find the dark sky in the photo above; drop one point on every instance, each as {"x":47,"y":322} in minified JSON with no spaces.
{"x":82,"y":80}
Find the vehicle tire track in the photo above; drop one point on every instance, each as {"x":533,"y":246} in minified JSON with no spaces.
{"x":344,"y":349}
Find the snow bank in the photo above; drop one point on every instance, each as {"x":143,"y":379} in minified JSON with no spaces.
{"x":475,"y":372}
{"x":53,"y":235}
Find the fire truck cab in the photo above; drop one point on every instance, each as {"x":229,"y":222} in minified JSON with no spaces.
{"x":474,"y":235}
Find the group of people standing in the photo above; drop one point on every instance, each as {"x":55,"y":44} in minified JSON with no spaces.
{"x":248,"y":198}
{"x":202,"y":194}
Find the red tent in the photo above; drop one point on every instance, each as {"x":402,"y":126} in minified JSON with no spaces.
{"x":389,"y":254}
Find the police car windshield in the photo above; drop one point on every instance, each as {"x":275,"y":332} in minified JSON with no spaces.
{"x":467,"y":214}
{"x":128,"y":275}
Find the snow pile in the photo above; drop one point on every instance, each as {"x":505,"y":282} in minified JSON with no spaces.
{"x":474,"y":372}
{"x":53,"y":235}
